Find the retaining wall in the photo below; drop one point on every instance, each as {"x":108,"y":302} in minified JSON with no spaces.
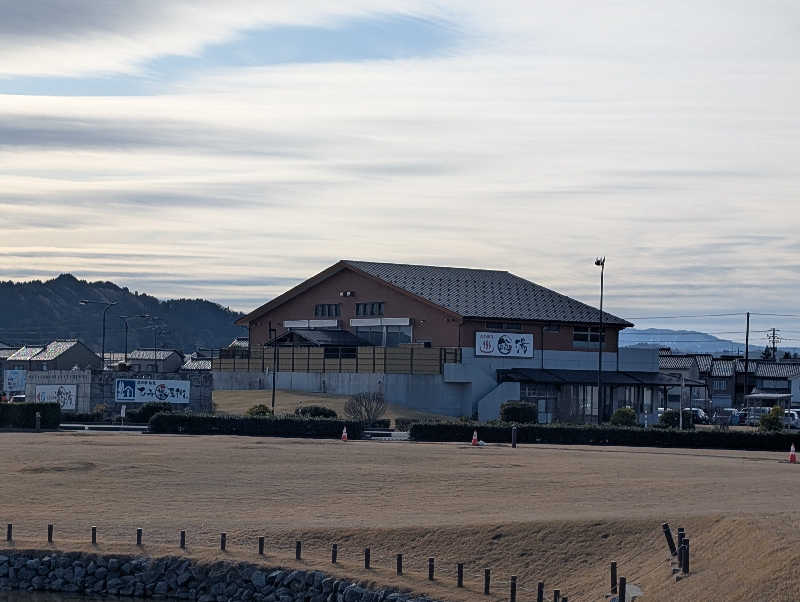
{"x":177,"y":578}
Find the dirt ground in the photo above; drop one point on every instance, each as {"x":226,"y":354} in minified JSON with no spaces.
{"x":557,"y":514}
{"x":238,"y":402}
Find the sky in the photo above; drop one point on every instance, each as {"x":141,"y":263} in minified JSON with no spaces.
{"x":229,"y":150}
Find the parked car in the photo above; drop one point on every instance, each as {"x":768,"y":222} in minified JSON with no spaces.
{"x":743,"y":416}
{"x":698,"y":415}
{"x":17,"y":399}
{"x":755,"y":414}
{"x":728,"y":416}
{"x":791,"y":419}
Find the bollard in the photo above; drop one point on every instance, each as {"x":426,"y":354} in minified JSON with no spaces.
{"x":685,"y":566}
{"x":487,"y":580}
{"x":38,"y":422}
{"x":139,"y":536}
{"x":183,"y":540}
{"x":49,"y":533}
{"x":9,"y":532}
{"x":514,"y":436}
{"x":298,"y":550}
{"x":681,"y":535}
{"x":223,"y":540}
{"x":366,"y":558}
{"x":670,"y":542}
{"x":513,"y":593}
{"x":334,"y":553}
{"x":613,"y":577}
{"x":261,"y":545}
{"x":540,"y":592}
{"x":622,"y":588}
{"x":460,"y":579}
{"x":94,"y":536}
{"x":556,"y":595}
{"x":430,"y":569}
{"x":399,"y":564}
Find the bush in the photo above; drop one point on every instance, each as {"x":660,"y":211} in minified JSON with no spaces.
{"x":519,"y":411}
{"x":365,"y":407}
{"x":772,"y":421}
{"x":258,"y":426}
{"x":604,"y":435}
{"x":260,"y":410}
{"x":624,"y":417}
{"x":23,"y":415}
{"x":671,"y":419}
{"x":147,"y":411}
{"x":315,"y":412}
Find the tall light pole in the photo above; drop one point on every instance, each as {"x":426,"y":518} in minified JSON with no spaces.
{"x":601,"y":262}
{"x":270,"y":330}
{"x":108,"y":305}
{"x":125,"y":322}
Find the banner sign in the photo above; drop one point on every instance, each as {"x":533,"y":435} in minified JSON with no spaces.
{"x":503,"y":344}
{"x":145,"y":390}
{"x":14,"y":381}
{"x":64,"y":395}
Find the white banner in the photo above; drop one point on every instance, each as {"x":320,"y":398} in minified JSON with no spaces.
{"x":503,"y":344}
{"x":14,"y":381}
{"x":143,"y":390}
{"x":64,"y":395}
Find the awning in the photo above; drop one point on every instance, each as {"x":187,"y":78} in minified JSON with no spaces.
{"x":310,"y":337}
{"x":589,"y":377}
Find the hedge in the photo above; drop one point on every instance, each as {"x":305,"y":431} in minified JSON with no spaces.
{"x":519,"y":411}
{"x":23,"y":415}
{"x":605,"y":435}
{"x":259,"y":426}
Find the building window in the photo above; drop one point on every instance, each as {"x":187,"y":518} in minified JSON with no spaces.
{"x":398,"y":335}
{"x":586,"y":336}
{"x":372,"y":335}
{"x":494,"y":325}
{"x":552,"y":328}
{"x":512,"y":325}
{"x":774,"y":384}
{"x":384,"y":336}
{"x":374,"y":308}
{"x":327,"y":310}
{"x":720,"y":385}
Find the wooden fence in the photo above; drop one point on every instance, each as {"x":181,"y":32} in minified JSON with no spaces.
{"x":393,"y":360}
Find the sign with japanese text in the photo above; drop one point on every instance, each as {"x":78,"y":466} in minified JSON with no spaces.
{"x":503,"y":344}
{"x":14,"y":381}
{"x":64,"y":395}
{"x":145,"y":390}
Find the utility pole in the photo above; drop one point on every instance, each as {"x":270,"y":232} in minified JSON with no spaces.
{"x":274,"y":362}
{"x":774,"y":338}
{"x":746,"y":357}
{"x":601,"y":263}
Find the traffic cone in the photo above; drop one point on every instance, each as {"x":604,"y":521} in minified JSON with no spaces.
{"x":792,"y":455}
{"x":344,"y":434}
{"x":475,"y":437}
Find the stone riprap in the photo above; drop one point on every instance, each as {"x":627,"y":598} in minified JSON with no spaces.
{"x":178,"y":578}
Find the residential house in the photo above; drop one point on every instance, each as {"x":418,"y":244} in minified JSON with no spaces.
{"x":158,"y":360}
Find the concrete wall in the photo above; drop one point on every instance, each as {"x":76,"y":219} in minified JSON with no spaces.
{"x":82,"y":379}
{"x":489,"y":404}
{"x":240,"y":381}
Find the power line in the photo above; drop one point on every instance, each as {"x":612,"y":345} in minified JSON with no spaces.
{"x":695,"y":316}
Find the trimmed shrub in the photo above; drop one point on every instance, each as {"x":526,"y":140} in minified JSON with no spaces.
{"x":76,"y":417}
{"x":260,"y":410}
{"x":382,"y":423}
{"x":315,"y":412}
{"x":519,"y":411}
{"x":365,"y":407}
{"x":257,"y":426}
{"x":772,"y":421}
{"x":147,"y":411}
{"x":624,"y":417}
{"x":605,"y":435}
{"x":23,"y":415}
{"x":671,"y":419}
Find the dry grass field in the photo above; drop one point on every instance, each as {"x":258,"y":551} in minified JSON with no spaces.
{"x":238,"y":402}
{"x":559,"y":514}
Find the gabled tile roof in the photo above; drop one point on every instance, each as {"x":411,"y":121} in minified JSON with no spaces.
{"x":476,"y":293}
{"x":722,"y":368}
{"x":26,"y":353}
{"x":676,"y":362}
{"x":5,"y":352}
{"x":777,"y":370}
{"x":704,"y":361}
{"x":197,"y":364}
{"x":240,"y":343}
{"x":751,"y":366}
{"x":53,"y":350}
{"x":147,"y":354}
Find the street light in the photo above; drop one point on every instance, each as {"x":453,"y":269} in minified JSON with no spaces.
{"x":125,"y":322}
{"x":601,"y":263}
{"x":108,"y":305}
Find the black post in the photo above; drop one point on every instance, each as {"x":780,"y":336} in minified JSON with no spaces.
{"x":183,"y":540}
{"x":556,"y":595}
{"x":430,"y":569}
{"x":94,"y":536}
{"x":261,"y":545}
{"x":399,"y":564}
{"x":681,"y":535}
{"x":298,"y":550}
{"x":540,"y":592}
{"x":38,"y":421}
{"x":487,"y":579}
{"x":613,"y":577}
{"x":139,"y":536}
{"x":460,"y":581}
{"x":49,"y":533}
{"x":670,"y":542}
{"x":686,"y":556}
{"x":223,"y":537}
{"x":366,"y":558}
{"x":600,"y":261}
{"x":274,"y":363}
{"x":514,"y":436}
{"x":334,"y":553}
{"x":513,"y":592}
{"x":746,"y":356}
{"x":622,"y":587}
{"x":9,"y":532}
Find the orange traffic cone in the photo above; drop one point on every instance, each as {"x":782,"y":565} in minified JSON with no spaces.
{"x":344,"y":434}
{"x":792,"y":455}
{"x":475,"y":437}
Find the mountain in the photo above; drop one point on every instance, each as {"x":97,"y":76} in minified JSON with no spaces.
{"x":37,"y":312}
{"x":690,"y":341}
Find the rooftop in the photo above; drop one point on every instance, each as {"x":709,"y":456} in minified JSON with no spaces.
{"x":54,"y":349}
{"x":777,"y":370}
{"x":24,"y":354}
{"x":197,"y":364}
{"x":676,"y":362}
{"x":147,"y":354}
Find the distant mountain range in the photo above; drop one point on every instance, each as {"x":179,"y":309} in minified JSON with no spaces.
{"x":37,"y":312}
{"x":690,"y":341}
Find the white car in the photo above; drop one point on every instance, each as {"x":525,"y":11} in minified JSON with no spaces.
{"x":791,"y":419}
